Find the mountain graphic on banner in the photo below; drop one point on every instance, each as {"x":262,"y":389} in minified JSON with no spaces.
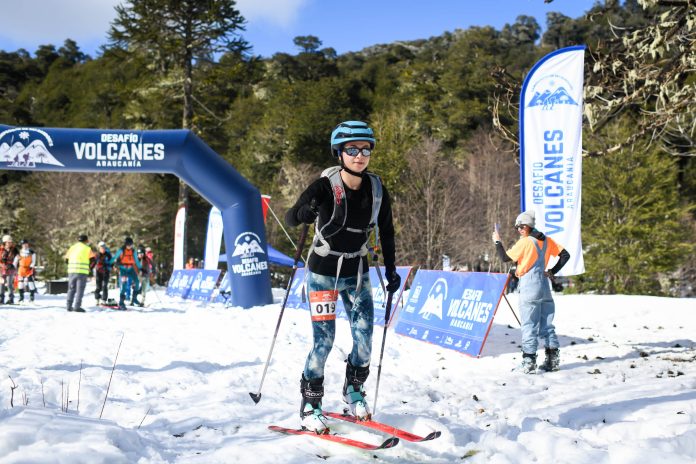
{"x":248,"y":248}
{"x":29,"y":156}
{"x":548,"y":99}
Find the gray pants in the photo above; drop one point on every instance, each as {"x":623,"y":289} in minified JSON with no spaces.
{"x":76,"y":288}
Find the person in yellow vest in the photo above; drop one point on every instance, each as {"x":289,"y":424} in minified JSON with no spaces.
{"x":78,"y":257}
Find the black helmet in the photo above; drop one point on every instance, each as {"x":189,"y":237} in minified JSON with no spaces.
{"x":128,"y":241}
{"x":82,"y":238}
{"x":141,"y":251}
{"x":23,"y":241}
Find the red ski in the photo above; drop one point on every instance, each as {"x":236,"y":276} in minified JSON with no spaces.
{"x":391,"y":430}
{"x":389,"y":443}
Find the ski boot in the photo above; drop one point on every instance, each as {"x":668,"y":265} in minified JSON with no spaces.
{"x":21,"y":297}
{"x":311,"y":416}
{"x":354,"y":393}
{"x":528,"y":365}
{"x":10,"y":300}
{"x":122,"y":303}
{"x":552,"y":360}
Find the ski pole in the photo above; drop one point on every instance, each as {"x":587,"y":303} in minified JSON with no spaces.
{"x":387,"y":314}
{"x":298,"y":253}
{"x":513,"y":311}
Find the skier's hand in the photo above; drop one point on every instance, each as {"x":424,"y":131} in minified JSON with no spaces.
{"x":495,"y":236}
{"x":307,"y":214}
{"x":393,"y":281}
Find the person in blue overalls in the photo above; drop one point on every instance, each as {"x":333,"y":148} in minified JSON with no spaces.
{"x":532,"y":253}
{"x":347,"y":202}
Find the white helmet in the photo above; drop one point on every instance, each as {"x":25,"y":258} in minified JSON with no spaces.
{"x":6,"y":238}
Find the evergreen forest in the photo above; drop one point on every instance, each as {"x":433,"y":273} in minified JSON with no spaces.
{"x":444,"y":110}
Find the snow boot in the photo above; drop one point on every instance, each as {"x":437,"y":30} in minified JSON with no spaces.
{"x":21,"y":296}
{"x":311,"y":416}
{"x":353,"y":391}
{"x":552,"y":360}
{"x":528,"y":365}
{"x":122,"y":303}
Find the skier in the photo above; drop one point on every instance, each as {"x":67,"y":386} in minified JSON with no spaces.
{"x":25,"y":270}
{"x":9,"y":259}
{"x":78,"y":257}
{"x":146,"y":270}
{"x":128,"y":268}
{"x":349,"y":202}
{"x":102,"y":272}
{"x":532,"y":253}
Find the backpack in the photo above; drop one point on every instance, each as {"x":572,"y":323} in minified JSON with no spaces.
{"x":320,"y":245}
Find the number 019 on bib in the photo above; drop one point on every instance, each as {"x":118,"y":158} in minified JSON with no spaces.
{"x":323,"y":305}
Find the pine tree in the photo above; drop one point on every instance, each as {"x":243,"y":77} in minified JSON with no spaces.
{"x":634,"y":224}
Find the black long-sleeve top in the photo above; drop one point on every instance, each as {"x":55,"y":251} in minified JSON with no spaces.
{"x":359,"y":214}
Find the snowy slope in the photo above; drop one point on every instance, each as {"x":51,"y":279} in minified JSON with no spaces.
{"x":626,"y":392}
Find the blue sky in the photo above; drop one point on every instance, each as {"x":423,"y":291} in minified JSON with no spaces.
{"x":272,"y":24}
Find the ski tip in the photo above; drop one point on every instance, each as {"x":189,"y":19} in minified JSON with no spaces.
{"x":255,"y":396}
{"x":432,"y":436}
{"x":389,"y":443}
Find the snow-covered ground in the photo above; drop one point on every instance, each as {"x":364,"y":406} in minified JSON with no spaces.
{"x":180,"y":391}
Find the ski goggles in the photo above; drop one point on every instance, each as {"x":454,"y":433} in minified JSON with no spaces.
{"x":354,"y":151}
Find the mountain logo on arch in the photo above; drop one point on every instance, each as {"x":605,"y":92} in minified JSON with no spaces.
{"x":26,"y":147}
{"x":247,"y":244}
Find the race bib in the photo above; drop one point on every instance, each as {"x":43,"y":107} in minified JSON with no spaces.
{"x":322,"y":305}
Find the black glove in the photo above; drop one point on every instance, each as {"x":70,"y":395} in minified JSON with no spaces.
{"x":307,"y":214}
{"x":393,"y":281}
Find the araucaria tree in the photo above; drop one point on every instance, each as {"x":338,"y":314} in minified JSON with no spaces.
{"x":177,"y":36}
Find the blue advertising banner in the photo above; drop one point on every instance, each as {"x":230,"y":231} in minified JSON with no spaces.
{"x":452,"y":309}
{"x":179,"y":283}
{"x":203,"y":284}
{"x":193,"y":284}
{"x":378,"y":295}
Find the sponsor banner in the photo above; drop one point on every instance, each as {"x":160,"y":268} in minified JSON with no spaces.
{"x":452,"y":309}
{"x":193,"y":284}
{"x":203,"y":284}
{"x":378,"y":295}
{"x":213,"y":239}
{"x":180,"y":283}
{"x":551,"y":149}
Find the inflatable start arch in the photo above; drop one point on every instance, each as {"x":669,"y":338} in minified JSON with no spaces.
{"x":178,"y":152}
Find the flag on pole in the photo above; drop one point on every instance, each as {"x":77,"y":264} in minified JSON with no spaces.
{"x":551,"y":149}
{"x":179,"y":225}
{"x":213,"y":239}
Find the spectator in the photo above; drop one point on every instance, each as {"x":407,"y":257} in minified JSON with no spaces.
{"x":26,"y":270}
{"x":532,"y":253}
{"x":101,"y":267}
{"x":78,"y":258}
{"x":9,"y":260}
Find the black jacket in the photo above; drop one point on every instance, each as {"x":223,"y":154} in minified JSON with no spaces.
{"x":358,"y":216}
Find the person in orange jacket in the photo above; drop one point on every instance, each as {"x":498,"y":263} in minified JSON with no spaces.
{"x":26,"y":270}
